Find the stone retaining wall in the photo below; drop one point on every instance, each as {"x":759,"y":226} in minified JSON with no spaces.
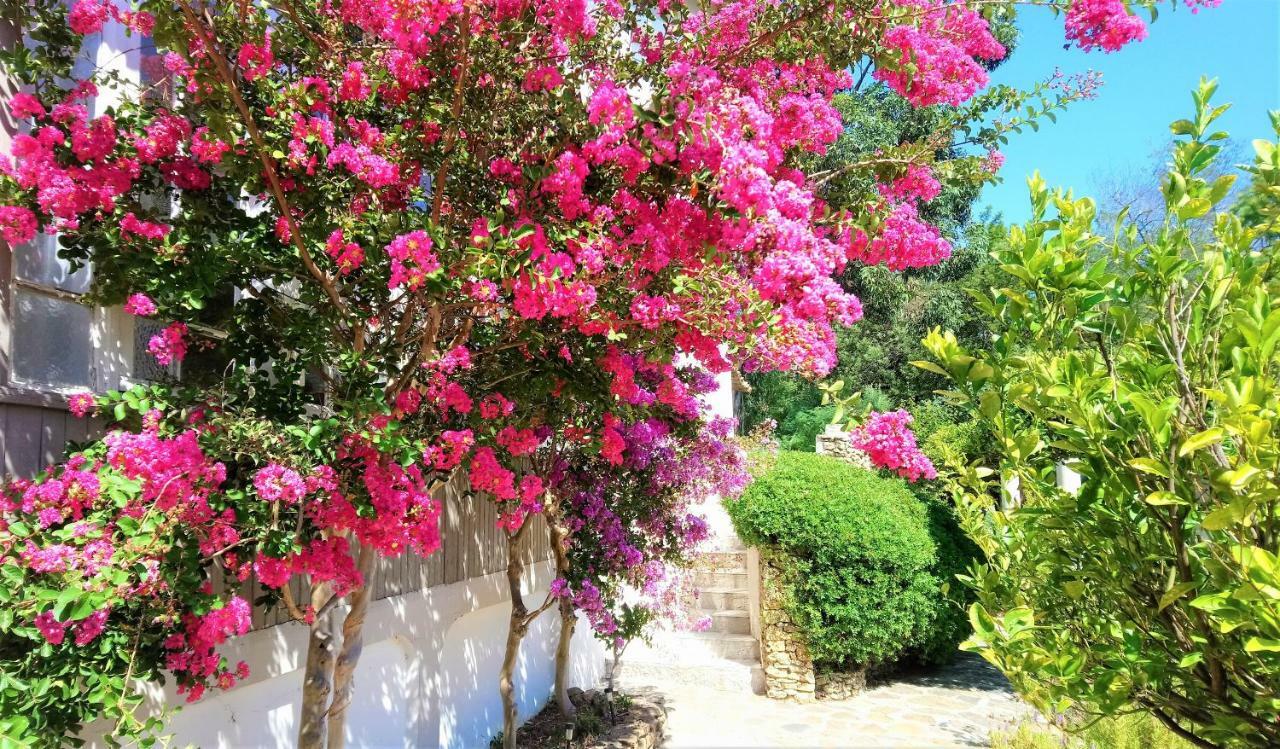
{"x":644,"y":728}
{"x":840,"y":685}
{"x":789,"y":673}
{"x":834,"y":441}
{"x":788,"y":669}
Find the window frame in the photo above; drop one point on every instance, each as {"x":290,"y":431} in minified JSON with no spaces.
{"x":110,"y":331}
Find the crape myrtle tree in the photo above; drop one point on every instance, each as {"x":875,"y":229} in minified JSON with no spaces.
{"x":437,"y":219}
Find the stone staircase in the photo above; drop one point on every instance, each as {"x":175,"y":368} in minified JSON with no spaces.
{"x":725,"y":657}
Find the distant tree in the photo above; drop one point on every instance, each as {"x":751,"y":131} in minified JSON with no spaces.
{"x":1138,"y":189}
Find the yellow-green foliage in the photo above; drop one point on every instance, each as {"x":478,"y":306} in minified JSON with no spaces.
{"x":1134,"y":731}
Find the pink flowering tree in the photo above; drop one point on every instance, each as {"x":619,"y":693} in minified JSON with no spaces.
{"x":461,"y":236}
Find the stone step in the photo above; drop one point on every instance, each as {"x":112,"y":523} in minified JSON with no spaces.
{"x":736,"y":581}
{"x":723,"y":561}
{"x":731,"y":622}
{"x":685,"y":647}
{"x":724,"y":675}
{"x":722,"y":599}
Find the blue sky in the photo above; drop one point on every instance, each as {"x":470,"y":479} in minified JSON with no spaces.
{"x":1146,"y":86}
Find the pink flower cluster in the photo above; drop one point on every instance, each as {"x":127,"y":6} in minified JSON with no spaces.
{"x":193,"y":652}
{"x":140,"y":305}
{"x":1103,"y":24}
{"x":888,"y":441}
{"x":937,"y":60}
{"x":131,"y":225}
{"x":17,"y":225}
{"x":412,"y":260}
{"x":348,"y":255}
{"x":904,"y":242}
{"x":588,"y":600}
{"x":89,"y":16}
{"x":86,"y":542}
{"x":917,"y":184}
{"x":276,"y":483}
{"x":170,"y":344}
{"x":81,"y":404}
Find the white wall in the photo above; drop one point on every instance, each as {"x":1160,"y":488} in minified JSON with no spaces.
{"x":427,"y":678}
{"x":720,"y":404}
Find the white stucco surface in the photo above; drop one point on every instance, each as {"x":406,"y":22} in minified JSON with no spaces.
{"x":428,"y":676}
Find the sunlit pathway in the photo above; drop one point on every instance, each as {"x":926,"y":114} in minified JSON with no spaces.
{"x":957,"y":706}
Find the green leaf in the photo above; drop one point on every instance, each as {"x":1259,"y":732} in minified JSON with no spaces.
{"x":1173,"y":594}
{"x":1149,"y":465}
{"x":1190,"y":659}
{"x":1238,"y":477}
{"x":65,"y":599}
{"x":1259,"y":644}
{"x":1221,"y":518}
{"x":980,"y":371}
{"x":1202,"y":440}
{"x":1161,"y":498}
{"x":929,"y":367}
{"x":982,"y":622}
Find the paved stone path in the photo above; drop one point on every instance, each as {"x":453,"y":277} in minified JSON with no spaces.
{"x":956,"y":706}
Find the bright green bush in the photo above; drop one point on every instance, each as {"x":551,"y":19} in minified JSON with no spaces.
{"x":800,"y":431}
{"x":947,"y":434}
{"x":1151,"y":362}
{"x":869,"y":562}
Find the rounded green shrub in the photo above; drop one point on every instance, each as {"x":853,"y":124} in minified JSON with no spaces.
{"x":869,"y":563}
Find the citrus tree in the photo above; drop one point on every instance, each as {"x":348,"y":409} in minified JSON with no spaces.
{"x":1148,"y":364}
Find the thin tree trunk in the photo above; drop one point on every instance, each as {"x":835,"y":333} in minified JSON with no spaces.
{"x":316,"y":678}
{"x":516,"y":628}
{"x":568,"y":619}
{"x":344,"y":669}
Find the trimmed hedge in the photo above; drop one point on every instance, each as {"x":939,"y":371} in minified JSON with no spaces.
{"x":868,"y":561}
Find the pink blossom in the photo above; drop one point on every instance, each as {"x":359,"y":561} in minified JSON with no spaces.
{"x":88,"y":629}
{"x":354,"y":86}
{"x":132,"y":225}
{"x":917,"y":184}
{"x":140,"y":305}
{"x":888,"y":441}
{"x":89,"y":16}
{"x":25,"y":106}
{"x":1103,"y":24}
{"x":170,"y":344}
{"x":94,"y":140}
{"x":53,"y":630}
{"x":81,"y":404}
{"x":206,"y":147}
{"x":412,"y":260}
{"x":935,"y":62}
{"x":256,"y":60}
{"x":348,"y":255}
{"x":17,"y":225}
{"x":993,"y":162}
{"x":545,"y":78}
{"x":276,"y":483}
{"x":488,"y":475}
{"x":904,"y":242}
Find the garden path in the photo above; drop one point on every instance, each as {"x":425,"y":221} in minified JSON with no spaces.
{"x":955,"y":706}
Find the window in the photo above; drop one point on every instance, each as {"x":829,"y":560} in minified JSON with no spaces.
{"x":52,"y":336}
